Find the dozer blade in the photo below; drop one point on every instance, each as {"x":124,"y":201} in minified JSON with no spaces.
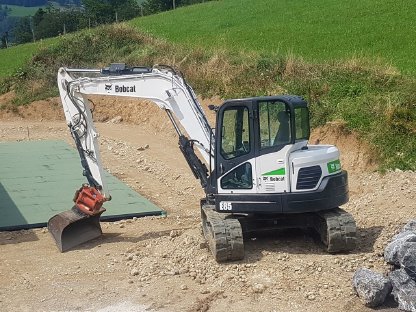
{"x":73,"y":227}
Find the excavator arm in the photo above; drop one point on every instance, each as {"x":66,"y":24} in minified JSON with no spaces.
{"x":161,"y":85}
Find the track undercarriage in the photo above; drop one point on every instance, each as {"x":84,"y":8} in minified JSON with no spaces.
{"x":224,"y":231}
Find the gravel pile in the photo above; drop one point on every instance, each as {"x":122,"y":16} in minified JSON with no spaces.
{"x":373,"y":288}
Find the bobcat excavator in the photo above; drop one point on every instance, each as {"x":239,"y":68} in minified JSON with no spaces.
{"x":257,"y":170}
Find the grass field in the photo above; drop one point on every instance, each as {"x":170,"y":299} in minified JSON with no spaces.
{"x":323,"y":31}
{"x":318,"y":31}
{"x":23,"y":11}
{"x":18,"y":10}
{"x":15,"y":57}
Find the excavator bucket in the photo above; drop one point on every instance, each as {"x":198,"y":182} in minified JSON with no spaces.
{"x":73,"y":227}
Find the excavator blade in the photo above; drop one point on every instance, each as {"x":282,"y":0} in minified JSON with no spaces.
{"x":73,"y":227}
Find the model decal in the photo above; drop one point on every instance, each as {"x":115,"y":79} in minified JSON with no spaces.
{"x":224,"y":205}
{"x":334,"y":166}
{"x":124,"y":89}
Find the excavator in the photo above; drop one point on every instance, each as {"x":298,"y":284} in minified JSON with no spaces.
{"x":256,"y":167}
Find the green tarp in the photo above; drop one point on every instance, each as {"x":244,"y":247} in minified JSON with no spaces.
{"x":38,"y":179}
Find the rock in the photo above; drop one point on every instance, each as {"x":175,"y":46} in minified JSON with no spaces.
{"x":134,"y":272}
{"x":116,"y":120}
{"x":407,"y":258}
{"x":142,"y":148}
{"x":391,"y":252}
{"x":184,"y":287}
{"x":371,"y":287}
{"x":311,"y":297}
{"x":174,"y":233}
{"x":259,"y":288}
{"x":203,"y":245}
{"x":404,"y":290}
{"x":410,"y":226}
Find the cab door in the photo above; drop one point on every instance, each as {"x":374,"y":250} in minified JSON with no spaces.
{"x":273,"y":145}
{"x":235,"y":154}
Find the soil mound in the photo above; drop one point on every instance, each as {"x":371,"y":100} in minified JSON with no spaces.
{"x":356,"y":155}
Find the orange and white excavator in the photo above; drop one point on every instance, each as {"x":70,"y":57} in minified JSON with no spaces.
{"x":256,"y":167}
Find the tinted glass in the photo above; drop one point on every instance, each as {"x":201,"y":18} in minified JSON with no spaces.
{"x":302,"y":123}
{"x":274,"y":120}
{"x":239,"y":178}
{"x":235,"y":139}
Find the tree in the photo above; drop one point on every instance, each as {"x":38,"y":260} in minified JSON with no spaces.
{"x":105,"y":11}
{"x":5,"y":40}
{"x":156,"y":6}
{"x":26,"y":3}
{"x":127,"y":10}
{"x":51,"y":22}
{"x":23,"y":30}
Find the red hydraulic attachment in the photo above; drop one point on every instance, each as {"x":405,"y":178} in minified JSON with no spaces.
{"x":89,"y":200}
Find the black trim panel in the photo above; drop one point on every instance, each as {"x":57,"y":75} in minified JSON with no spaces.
{"x":332,"y":192}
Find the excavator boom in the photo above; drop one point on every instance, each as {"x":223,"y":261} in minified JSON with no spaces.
{"x":159,"y":84}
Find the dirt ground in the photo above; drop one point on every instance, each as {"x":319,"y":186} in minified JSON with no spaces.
{"x":162,"y":263}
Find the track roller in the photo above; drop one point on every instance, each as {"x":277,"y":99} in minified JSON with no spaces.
{"x":337,"y":229}
{"x":223,"y":234}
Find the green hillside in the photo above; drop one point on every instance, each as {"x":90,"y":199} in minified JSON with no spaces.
{"x":13,"y":58}
{"x":318,"y":30}
{"x":337,"y":55}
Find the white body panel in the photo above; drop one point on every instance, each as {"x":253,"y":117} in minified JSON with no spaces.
{"x":272,"y":171}
{"x":278,"y":172}
{"x":315,"y":155}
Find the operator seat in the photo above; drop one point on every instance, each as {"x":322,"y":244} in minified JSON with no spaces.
{"x":283,"y":133}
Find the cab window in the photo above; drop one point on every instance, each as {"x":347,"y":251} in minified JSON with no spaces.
{"x":239,"y":178}
{"x":274,"y":124}
{"x":235,"y":132}
{"x":302,"y":123}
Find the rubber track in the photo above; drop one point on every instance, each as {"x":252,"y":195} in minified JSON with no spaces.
{"x":223,"y":234}
{"x":337,"y":229}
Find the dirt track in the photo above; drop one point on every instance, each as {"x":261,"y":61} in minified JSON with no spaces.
{"x":162,"y":264}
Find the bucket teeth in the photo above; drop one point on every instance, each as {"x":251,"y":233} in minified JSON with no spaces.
{"x":73,"y":227}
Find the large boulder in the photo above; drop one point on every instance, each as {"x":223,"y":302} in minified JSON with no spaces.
{"x":392,"y":251}
{"x":407,"y":258}
{"x":371,"y":287}
{"x":404,"y":290}
{"x":410,"y":226}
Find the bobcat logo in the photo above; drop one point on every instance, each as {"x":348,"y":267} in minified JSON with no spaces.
{"x":108,"y":87}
